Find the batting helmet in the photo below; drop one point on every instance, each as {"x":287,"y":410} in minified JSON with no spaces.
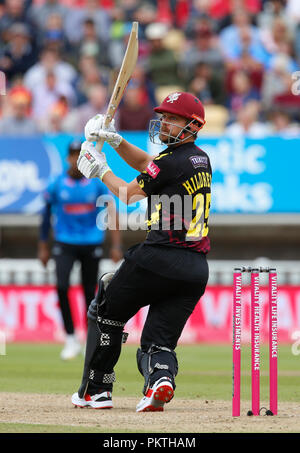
{"x":183,"y":104}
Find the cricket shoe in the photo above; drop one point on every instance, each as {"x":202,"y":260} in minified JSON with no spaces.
{"x":71,"y":349}
{"x":160,"y":393}
{"x":99,"y":401}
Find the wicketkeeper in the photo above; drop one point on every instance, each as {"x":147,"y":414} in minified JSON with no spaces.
{"x":168,"y":271}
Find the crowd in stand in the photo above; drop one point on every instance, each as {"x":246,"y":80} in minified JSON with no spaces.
{"x":61,"y":58}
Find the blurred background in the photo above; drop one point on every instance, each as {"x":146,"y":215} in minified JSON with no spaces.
{"x":58,"y":63}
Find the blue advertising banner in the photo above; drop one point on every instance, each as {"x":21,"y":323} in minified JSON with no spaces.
{"x":25,"y":167}
{"x":254,"y":176}
{"x":249,"y":176}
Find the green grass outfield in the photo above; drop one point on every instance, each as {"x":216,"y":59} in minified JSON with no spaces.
{"x":205,"y":372}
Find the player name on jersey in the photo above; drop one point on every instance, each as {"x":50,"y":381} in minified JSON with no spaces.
{"x":196,"y":182}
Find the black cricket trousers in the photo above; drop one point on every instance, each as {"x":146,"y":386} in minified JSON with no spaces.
{"x":170,"y":301}
{"x":65,"y":256}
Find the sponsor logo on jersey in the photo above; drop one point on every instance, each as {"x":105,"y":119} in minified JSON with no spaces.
{"x":78,"y":208}
{"x":199,"y":161}
{"x":153,"y":170}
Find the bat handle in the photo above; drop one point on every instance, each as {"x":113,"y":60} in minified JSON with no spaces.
{"x":100,"y":142}
{"x":99,"y":145}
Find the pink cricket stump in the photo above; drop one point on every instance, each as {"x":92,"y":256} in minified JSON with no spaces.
{"x":236,"y":371}
{"x":273,"y":340}
{"x":255,"y":340}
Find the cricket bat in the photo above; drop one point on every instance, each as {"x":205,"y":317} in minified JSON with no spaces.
{"x":127,"y":67}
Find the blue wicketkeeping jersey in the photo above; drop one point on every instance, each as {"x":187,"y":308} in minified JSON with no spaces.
{"x":74,"y":209}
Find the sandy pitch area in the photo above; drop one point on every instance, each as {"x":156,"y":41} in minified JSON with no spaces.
{"x":180,"y":415}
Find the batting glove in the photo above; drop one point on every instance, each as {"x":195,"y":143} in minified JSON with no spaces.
{"x":94,"y":125}
{"x":94,"y":129}
{"x":112,"y":138}
{"x":92,"y":163}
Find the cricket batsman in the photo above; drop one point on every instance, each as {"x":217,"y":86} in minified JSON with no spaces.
{"x":168,"y":271}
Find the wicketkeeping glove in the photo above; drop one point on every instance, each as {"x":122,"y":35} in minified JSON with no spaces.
{"x":91,"y":163}
{"x":94,"y":129}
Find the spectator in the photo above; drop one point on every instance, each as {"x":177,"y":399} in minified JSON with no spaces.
{"x":204,"y":49}
{"x":49,"y":61}
{"x":250,"y":7}
{"x":2,"y":8}
{"x":199,"y":10}
{"x":119,"y":34}
{"x":161,"y":66}
{"x":134,"y":114}
{"x":248,"y":123}
{"x":181,"y":11}
{"x":176,"y":41}
{"x":220,"y":10}
{"x":277,"y":39}
{"x":53,"y":34}
{"x":53,"y":122}
{"x":18,"y":122}
{"x":200,"y":89}
{"x":130,"y":8}
{"x":247,"y":49}
{"x":200,"y":59}
{"x":75,"y":21}
{"x":277,"y":80}
{"x":14,"y":12}
{"x":2,"y":107}
{"x":242,"y":93}
{"x":221,"y":7}
{"x":78,"y":117}
{"x":272,"y":10}
{"x":118,"y":24}
{"x":47,"y":93}
{"x":145,"y":14}
{"x":288,"y":101}
{"x":147,"y":88}
{"x":2,"y":11}
{"x":251,"y":60}
{"x":293,"y":10}
{"x":230,"y":36}
{"x":293,"y":13}
{"x":89,"y":74}
{"x":39,"y":14}
{"x":19,"y":54}
{"x":91,"y":44}
{"x":282,"y":124}
{"x":118,"y":44}
{"x":164,"y":12}
{"x":207,"y":85}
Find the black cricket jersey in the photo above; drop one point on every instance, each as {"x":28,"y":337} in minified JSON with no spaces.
{"x":178,"y":186}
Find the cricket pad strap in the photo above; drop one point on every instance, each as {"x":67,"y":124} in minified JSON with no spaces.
{"x":157,"y":362}
{"x":103,"y":347}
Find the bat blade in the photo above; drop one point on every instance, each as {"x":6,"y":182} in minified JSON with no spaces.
{"x":126,"y":70}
